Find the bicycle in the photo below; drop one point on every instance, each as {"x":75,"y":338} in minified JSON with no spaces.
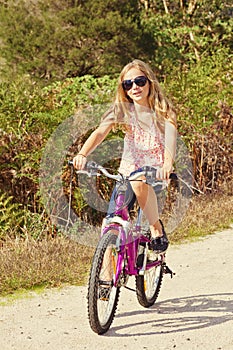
{"x":122,"y":251}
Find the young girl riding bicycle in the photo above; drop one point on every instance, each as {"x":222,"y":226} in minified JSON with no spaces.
{"x":149,"y":121}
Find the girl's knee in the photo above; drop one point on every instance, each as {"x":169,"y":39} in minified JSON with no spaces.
{"x":139,"y":187}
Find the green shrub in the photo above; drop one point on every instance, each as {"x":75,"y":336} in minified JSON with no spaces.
{"x":11,"y":216}
{"x":198,"y":91}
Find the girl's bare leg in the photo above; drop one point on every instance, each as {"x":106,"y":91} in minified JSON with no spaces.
{"x":109,"y":264}
{"x":147,"y":200}
{"x":106,"y":272}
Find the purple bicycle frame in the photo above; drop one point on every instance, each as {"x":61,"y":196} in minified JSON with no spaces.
{"x":129,"y":243}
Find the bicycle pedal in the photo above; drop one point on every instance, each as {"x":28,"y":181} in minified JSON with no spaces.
{"x":167,"y":270}
{"x":104,"y":293}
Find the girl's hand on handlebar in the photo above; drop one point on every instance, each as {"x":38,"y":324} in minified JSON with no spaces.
{"x":164,"y":172}
{"x":79,"y":161}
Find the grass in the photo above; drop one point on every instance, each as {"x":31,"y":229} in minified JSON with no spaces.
{"x":206,"y":215}
{"x":32,"y":265}
{"x":9,"y":299}
{"x":28,"y":264}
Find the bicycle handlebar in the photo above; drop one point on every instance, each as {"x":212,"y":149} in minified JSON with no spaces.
{"x":92,"y":169}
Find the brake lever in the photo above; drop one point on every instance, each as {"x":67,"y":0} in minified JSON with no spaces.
{"x":91,"y":165}
{"x":91,"y":169}
{"x":160,"y":184}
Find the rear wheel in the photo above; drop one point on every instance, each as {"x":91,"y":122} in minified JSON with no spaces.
{"x":102,"y":295}
{"x":148,"y":286}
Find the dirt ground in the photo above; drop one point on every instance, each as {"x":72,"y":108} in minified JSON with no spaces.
{"x":194,"y":309}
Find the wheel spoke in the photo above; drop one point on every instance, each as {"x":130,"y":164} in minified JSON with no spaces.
{"x":148,"y":286}
{"x":102,"y":295}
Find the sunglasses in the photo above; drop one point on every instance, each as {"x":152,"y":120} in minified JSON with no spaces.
{"x":139,"y":81}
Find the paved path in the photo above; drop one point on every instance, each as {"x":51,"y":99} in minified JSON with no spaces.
{"x":194,"y":309}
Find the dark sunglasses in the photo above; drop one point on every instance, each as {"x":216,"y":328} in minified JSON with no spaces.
{"x":139,"y":81}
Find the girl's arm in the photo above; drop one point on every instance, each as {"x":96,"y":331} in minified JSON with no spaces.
{"x":170,"y":150}
{"x":91,"y":143}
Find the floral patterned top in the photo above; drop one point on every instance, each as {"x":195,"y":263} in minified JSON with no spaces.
{"x":142,"y":146}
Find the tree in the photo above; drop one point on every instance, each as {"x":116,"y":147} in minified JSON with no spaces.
{"x":186,"y":31}
{"x":55,"y":40}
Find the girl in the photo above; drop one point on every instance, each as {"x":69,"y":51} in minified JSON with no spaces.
{"x":149,"y":121}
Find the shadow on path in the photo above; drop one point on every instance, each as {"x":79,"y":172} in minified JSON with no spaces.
{"x":186,"y":313}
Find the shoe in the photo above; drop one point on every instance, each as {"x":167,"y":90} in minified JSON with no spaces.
{"x":104,"y":290}
{"x":160,"y":244}
{"x":104,"y":293}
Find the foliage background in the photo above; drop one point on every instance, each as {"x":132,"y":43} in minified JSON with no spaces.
{"x":59,"y":56}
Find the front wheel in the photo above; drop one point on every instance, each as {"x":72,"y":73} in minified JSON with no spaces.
{"x":102,"y":295}
{"x":148,"y":286}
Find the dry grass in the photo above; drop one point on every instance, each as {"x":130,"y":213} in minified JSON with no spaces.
{"x":49,"y":263}
{"x":206,"y":215}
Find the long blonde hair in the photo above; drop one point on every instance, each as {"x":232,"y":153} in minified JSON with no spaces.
{"x":158,"y":102}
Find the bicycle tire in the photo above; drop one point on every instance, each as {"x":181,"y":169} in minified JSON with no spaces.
{"x":101,"y":312}
{"x":148,"y":286}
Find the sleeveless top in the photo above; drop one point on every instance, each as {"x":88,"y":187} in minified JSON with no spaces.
{"x":142,"y":146}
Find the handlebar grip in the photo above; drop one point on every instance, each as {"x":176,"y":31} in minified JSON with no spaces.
{"x":175,"y":181}
{"x":173,"y":177}
{"x":151,"y":172}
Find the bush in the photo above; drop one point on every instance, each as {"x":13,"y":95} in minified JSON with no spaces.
{"x":29,"y":115}
{"x":198,"y":91}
